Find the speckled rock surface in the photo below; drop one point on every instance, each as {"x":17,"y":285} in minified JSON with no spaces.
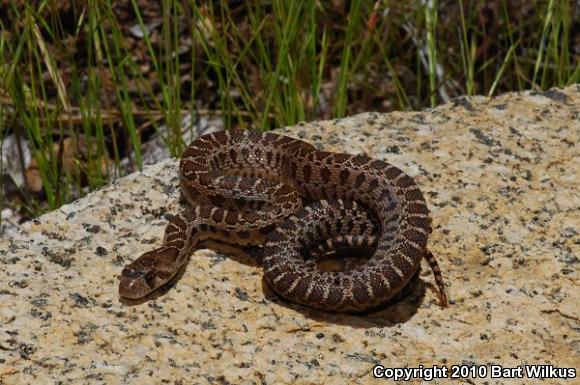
{"x":501,"y":178}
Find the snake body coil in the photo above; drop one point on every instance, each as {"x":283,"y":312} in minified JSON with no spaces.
{"x":247,"y":188}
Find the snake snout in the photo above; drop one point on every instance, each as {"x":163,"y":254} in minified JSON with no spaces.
{"x":133,"y":285}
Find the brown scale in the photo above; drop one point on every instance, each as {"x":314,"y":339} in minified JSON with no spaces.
{"x":248,"y":188}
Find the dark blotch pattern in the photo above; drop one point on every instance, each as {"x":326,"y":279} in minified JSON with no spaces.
{"x":343,"y":176}
{"x":325,"y":174}
{"x":250,"y":184}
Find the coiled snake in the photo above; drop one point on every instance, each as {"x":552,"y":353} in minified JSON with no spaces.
{"x":248,"y":188}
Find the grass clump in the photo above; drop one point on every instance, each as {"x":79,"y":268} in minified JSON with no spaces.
{"x":85,"y":83}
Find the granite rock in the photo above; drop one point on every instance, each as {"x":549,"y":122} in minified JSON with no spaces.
{"x":501,"y":178}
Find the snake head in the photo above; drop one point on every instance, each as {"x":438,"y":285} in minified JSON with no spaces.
{"x":146,"y":274}
{"x":134,"y":283}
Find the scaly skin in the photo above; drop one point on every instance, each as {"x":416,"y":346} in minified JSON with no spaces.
{"x":246,"y":188}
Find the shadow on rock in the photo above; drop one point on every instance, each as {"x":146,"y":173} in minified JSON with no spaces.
{"x":397,"y":310}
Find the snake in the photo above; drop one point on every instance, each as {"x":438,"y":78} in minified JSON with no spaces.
{"x":300,"y":206}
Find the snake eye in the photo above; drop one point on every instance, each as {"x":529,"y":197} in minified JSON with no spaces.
{"x":132,"y":273}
